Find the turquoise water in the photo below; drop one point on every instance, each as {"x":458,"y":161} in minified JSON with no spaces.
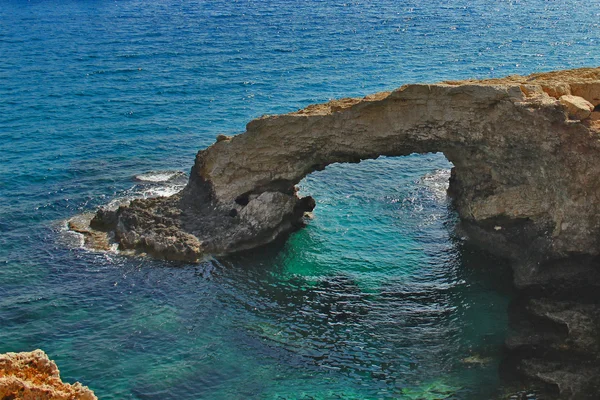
{"x":376,"y":298}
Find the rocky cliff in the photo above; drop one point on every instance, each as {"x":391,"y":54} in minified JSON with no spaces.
{"x":525,"y":183}
{"x":33,"y":376}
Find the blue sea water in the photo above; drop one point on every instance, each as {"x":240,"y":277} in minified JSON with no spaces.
{"x":376,"y":298}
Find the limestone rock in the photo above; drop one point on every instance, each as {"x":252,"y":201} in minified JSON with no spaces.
{"x":577,"y":107}
{"x":525,"y":184}
{"x":588,"y":90}
{"x":576,"y":381}
{"x":516,"y":156}
{"x":557,"y":90}
{"x":33,"y":376}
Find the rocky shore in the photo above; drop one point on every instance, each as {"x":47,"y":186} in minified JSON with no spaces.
{"x":525,"y":183}
{"x":33,"y":376}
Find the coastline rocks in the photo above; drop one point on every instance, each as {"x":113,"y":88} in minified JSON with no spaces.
{"x":33,"y":376}
{"x":525,"y":184}
{"x":519,"y":154}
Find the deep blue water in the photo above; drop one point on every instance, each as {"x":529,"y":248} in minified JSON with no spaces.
{"x":376,"y":298}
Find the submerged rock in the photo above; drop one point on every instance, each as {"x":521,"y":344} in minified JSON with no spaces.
{"x":93,"y":238}
{"x":476,"y":359}
{"x":33,"y":376}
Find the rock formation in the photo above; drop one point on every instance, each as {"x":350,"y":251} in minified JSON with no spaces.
{"x":33,"y":376}
{"x":525,"y":183}
{"x":518,"y":152}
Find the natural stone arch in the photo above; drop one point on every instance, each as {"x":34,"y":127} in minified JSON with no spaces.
{"x":518,"y":153}
{"x":525,"y":183}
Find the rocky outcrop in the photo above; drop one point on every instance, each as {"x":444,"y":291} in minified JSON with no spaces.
{"x":33,"y":376}
{"x":519,"y":154}
{"x":525,"y":183}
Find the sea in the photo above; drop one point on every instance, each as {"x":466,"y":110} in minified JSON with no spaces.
{"x":378,"y":297}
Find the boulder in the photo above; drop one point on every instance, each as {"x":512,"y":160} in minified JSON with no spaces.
{"x":577,"y":107}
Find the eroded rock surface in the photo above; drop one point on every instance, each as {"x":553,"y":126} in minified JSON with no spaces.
{"x":525,"y":183}
{"x":518,"y":151}
{"x":33,"y":376}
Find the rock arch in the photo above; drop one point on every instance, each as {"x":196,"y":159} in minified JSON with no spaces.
{"x":525,"y":149}
{"x":525,"y":183}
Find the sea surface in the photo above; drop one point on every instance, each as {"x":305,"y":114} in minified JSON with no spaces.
{"x":377,"y":298}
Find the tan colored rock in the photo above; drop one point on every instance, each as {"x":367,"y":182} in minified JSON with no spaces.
{"x":532,"y":90}
{"x":577,"y":107}
{"x":557,"y":90}
{"x":33,"y":376}
{"x":588,"y":90}
{"x":582,"y":82}
{"x":93,"y":239}
{"x":594,"y":121}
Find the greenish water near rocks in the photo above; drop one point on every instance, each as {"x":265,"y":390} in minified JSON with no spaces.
{"x":376,"y":298}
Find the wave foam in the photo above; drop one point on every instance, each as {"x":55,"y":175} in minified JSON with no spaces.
{"x":152,"y":184}
{"x":160,"y":176}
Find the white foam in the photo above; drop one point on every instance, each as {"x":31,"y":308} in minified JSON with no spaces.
{"x":118,"y":202}
{"x":161,"y":191}
{"x":143,"y":193}
{"x":154,"y":184}
{"x":68,"y":237}
{"x":159,"y":176}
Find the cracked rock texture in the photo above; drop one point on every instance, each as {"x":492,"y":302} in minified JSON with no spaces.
{"x":33,"y":376}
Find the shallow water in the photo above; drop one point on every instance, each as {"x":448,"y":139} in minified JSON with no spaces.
{"x":376,"y":298}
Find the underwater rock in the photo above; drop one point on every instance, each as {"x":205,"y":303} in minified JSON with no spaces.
{"x":476,"y":359}
{"x":84,"y":225}
{"x":33,"y":376}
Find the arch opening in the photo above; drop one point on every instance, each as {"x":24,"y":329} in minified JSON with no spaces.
{"x":378,"y":215}
{"x":381,"y":258}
